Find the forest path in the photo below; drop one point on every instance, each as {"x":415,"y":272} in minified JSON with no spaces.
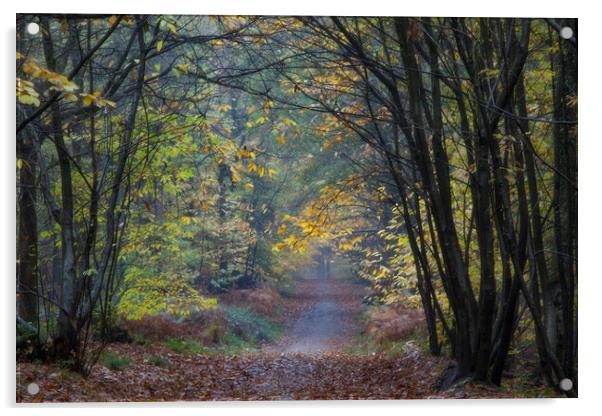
{"x":325,"y":319}
{"x":309,"y":362}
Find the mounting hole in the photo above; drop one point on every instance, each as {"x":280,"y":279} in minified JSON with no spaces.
{"x":566,"y":384}
{"x":33,"y":28}
{"x":566,"y":32}
{"x":33,"y":389}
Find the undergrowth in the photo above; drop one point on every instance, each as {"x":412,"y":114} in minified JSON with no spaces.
{"x":185,"y":345}
{"x":158,"y":361}
{"x":243,"y":330}
{"x":389,"y":330}
{"x":114,"y":362}
{"x":250,"y":326}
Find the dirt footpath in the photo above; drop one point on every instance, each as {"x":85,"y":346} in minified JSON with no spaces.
{"x":327,"y":320}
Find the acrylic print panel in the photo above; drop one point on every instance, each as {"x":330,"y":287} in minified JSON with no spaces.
{"x":295,"y":208}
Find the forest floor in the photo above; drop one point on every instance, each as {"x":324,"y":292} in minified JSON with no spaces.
{"x":309,"y":362}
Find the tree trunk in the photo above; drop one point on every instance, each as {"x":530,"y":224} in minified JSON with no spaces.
{"x":27,"y":226}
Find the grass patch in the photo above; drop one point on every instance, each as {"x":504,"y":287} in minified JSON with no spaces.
{"x":287,"y":291}
{"x":66,"y":364}
{"x":233,"y":343}
{"x":235,"y":329}
{"x":249,"y":326}
{"x":140,"y":340}
{"x":114,"y":362}
{"x":185,"y":346}
{"x":363,"y":317}
{"x":158,"y":361}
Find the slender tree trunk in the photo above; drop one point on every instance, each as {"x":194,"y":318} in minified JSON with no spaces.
{"x":27,"y":242}
{"x":27,"y":226}
{"x":440,"y":198}
{"x":66,"y":341}
{"x":565,"y":194}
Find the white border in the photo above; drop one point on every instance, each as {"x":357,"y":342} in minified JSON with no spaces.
{"x":590,"y":198}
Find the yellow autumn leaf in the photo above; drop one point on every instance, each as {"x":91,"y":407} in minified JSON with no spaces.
{"x":87,"y":99}
{"x":289,"y":122}
{"x":112,"y":20}
{"x":261,"y":171}
{"x":235,"y":175}
{"x":279,"y":247}
{"x":173,"y":28}
{"x":267,"y":105}
{"x":70,"y":97}
{"x":281,"y":140}
{"x":28,"y":99}
{"x":101,"y":102}
{"x":261,"y":120}
{"x":183,"y":67}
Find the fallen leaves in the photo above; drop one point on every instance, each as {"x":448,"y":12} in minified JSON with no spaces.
{"x":158,"y":374}
{"x":253,"y":376}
